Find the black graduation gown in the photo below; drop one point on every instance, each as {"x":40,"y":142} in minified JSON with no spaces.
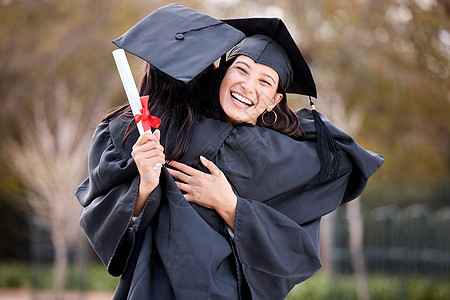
{"x":178,"y":250}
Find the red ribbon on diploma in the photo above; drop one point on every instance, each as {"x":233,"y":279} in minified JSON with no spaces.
{"x":148,"y":121}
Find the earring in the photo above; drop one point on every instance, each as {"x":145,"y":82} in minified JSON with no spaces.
{"x":264,"y":113}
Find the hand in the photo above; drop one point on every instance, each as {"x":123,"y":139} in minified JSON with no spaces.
{"x":208,"y":190}
{"x":147,"y":152}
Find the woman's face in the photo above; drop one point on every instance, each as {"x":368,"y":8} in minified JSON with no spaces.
{"x":247,"y":90}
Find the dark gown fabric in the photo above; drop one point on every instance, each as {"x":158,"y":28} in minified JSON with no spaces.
{"x":178,"y":250}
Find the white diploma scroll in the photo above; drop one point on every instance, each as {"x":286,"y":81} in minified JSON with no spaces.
{"x":130,"y":88}
{"x":128,"y":84}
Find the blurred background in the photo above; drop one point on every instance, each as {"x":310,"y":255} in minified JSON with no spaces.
{"x":382,"y":73}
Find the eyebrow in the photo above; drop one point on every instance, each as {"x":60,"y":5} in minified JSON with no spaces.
{"x":264,"y":74}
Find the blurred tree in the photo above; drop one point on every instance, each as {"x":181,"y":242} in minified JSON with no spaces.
{"x":50,"y":161}
{"x":57,"y":73}
{"x":388,"y":60}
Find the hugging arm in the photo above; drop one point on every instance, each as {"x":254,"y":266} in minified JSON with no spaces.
{"x":208,"y":190}
{"x":275,"y":251}
{"x":109,"y":197}
{"x":108,"y":225}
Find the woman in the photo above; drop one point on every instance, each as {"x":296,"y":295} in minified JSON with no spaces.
{"x":260,"y":238}
{"x":248,"y":91}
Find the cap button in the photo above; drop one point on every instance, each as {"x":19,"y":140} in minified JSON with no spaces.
{"x":179,"y":36}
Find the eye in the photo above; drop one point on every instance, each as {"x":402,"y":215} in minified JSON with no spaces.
{"x":265,"y":82}
{"x":241,"y":69}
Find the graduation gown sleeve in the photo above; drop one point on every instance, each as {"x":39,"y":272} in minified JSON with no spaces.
{"x":276,"y":253}
{"x":109,"y":195}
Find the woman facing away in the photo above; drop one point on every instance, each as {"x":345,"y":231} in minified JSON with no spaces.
{"x":243,"y":221}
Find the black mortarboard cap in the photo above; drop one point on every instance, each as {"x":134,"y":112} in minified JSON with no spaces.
{"x":296,"y":78}
{"x":179,"y":41}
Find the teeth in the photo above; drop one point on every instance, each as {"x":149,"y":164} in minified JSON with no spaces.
{"x":242,"y":99}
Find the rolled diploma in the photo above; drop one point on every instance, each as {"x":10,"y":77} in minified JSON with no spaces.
{"x":128,"y":84}
{"x":130,"y":88}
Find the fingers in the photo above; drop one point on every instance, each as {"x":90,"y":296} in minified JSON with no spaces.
{"x":179,"y":175}
{"x":211,"y":166}
{"x":185,"y":168}
{"x":213,"y":169}
{"x":156,"y":133}
{"x":148,"y":160}
{"x":208,"y":190}
{"x":192,"y":193}
{"x":148,"y":137}
{"x":157,"y":153}
{"x":146,"y":143}
{"x":190,"y":180}
{"x":147,"y":152}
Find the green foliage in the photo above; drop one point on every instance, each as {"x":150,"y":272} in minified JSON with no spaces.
{"x":319,"y":287}
{"x":382,"y":287}
{"x":91,"y":278}
{"x":100,"y":280}
{"x":14,"y":275}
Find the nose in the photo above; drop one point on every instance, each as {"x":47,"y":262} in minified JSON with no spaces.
{"x":248,"y":85}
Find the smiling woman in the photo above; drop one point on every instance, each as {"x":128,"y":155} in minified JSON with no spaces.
{"x":247,"y":90}
{"x":256,"y":165}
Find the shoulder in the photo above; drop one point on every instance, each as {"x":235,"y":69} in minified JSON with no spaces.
{"x":358,"y":162}
{"x":117,"y":130}
{"x":207,"y":137}
{"x":109,"y":163}
{"x":110,"y":134}
{"x":107,"y":151}
{"x":210,"y":136}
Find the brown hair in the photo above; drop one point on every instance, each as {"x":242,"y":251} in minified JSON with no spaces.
{"x":175,"y":103}
{"x":287,"y":122}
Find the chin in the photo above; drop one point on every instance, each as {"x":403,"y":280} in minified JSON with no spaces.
{"x":233,"y":121}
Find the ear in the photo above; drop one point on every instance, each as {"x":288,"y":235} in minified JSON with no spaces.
{"x":276,"y":99}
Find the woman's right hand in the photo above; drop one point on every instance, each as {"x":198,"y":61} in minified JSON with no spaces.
{"x":147,"y":152}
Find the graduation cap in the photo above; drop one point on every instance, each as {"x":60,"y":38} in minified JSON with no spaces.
{"x":179,"y":41}
{"x":269,"y":42}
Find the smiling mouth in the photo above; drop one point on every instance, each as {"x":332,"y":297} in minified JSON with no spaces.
{"x":242,"y":99}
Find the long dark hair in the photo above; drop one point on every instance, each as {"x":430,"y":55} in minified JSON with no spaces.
{"x":175,"y":103}
{"x":287,"y":122}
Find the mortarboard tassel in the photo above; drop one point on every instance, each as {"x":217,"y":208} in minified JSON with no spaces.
{"x":326,"y":145}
